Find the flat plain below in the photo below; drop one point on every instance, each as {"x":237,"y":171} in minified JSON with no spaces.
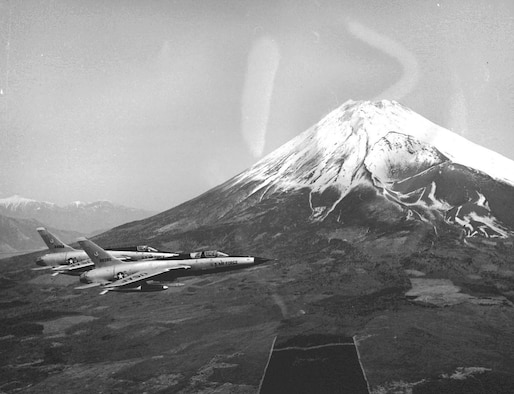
{"x":214,"y":333}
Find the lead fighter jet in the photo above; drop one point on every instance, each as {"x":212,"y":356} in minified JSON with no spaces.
{"x":113,"y":274}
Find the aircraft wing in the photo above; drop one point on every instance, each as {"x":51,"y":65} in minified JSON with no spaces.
{"x":74,"y":266}
{"x":46,"y":267}
{"x":88,"y":286}
{"x":142,"y":276}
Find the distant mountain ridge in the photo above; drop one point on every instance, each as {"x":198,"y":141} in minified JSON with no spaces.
{"x":369,"y":166}
{"x":19,"y":236}
{"x":81,"y":217}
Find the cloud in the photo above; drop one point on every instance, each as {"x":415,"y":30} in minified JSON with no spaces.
{"x":263,"y":61}
{"x":407,"y":60}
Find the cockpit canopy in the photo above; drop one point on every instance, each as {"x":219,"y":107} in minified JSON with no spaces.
{"x":208,"y":254}
{"x":138,"y":248}
{"x":146,"y":248}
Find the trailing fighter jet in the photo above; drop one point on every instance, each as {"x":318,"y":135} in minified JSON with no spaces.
{"x":63,"y":259}
{"x":114,"y":275}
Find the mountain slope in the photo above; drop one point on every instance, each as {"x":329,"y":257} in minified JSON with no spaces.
{"x":399,"y":163}
{"x":85,"y":218}
{"x":20,"y":236}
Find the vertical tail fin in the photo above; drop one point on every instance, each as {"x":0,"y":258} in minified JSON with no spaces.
{"x":54,"y":244}
{"x":99,"y":256}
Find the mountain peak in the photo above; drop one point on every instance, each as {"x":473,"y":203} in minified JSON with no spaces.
{"x":16,"y":198}
{"x":378,"y":118}
{"x":78,"y":203}
{"x":333,"y":152}
{"x":16,"y":201}
{"x":379,"y":143}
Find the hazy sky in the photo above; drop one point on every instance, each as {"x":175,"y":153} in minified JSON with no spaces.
{"x":150,"y":103}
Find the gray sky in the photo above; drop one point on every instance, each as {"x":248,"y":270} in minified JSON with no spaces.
{"x":150,"y":103}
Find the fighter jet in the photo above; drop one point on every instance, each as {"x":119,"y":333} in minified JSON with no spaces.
{"x":114,"y":275}
{"x":63,"y":259}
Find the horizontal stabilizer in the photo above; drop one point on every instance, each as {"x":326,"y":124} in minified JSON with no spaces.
{"x":75,"y":266}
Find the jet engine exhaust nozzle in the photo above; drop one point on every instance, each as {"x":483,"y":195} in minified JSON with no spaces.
{"x":41,"y":262}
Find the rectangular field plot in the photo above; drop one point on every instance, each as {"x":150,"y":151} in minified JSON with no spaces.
{"x":322,"y":364}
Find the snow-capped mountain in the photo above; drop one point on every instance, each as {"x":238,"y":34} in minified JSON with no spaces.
{"x":408,"y":159}
{"x":85,"y":218}
{"x":365,"y":161}
{"x":18,"y":203}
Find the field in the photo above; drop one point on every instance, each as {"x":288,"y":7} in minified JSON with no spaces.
{"x":417,"y":329}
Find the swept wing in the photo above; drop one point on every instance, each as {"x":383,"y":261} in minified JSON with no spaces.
{"x":73,"y":268}
{"x":88,"y":286}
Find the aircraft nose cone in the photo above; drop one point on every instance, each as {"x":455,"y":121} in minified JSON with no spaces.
{"x":260,"y":260}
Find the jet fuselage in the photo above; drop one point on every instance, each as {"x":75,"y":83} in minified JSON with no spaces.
{"x":195,"y":267}
{"x":75,"y":256}
{"x":62,"y":258}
